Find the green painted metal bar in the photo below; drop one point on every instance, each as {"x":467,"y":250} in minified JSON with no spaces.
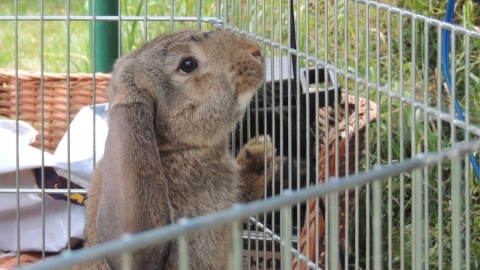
{"x":104,"y":46}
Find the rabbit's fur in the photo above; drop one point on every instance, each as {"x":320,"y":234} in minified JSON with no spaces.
{"x":166,"y":154}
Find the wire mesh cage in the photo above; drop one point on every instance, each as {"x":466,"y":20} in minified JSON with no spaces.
{"x":372,"y":108}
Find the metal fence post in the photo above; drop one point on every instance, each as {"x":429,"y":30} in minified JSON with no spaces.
{"x":104,"y":35}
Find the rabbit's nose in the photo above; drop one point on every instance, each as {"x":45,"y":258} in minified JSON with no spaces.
{"x":256,"y":53}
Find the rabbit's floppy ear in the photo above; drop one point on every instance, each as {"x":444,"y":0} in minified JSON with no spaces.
{"x":133,"y":178}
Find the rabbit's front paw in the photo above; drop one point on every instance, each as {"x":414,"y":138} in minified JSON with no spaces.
{"x":253,"y":154}
{"x":253,"y":158}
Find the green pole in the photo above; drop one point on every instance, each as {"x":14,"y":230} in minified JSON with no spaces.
{"x":104,"y":47}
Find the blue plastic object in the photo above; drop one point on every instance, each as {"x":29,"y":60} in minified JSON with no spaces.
{"x":448,"y":79}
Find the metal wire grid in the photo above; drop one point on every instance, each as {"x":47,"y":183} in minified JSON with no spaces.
{"x":414,"y":104}
{"x":233,"y":216}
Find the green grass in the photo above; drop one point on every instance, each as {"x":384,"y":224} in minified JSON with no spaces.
{"x":400,"y":130}
{"x":55,"y":43}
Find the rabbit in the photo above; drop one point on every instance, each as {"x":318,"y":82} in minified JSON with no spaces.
{"x":172,"y":106}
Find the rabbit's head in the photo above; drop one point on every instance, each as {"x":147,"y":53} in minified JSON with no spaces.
{"x":197,"y":83}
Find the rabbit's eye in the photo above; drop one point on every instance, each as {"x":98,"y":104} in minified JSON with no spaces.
{"x":188,"y":65}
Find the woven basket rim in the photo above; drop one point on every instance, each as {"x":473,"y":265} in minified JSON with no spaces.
{"x":362,"y":114}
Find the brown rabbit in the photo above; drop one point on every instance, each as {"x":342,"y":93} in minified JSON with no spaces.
{"x":173,"y":104}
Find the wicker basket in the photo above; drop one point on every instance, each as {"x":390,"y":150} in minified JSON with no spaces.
{"x":347,"y":124}
{"x":56,"y":88}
